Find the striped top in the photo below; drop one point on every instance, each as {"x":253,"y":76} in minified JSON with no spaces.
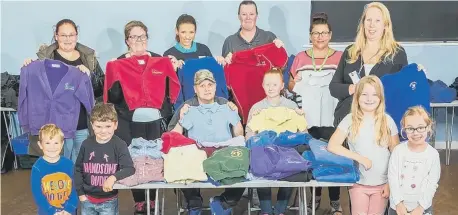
{"x":303,"y":61}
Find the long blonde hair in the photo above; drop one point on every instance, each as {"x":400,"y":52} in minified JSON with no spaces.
{"x":388,"y":45}
{"x":381,"y":127}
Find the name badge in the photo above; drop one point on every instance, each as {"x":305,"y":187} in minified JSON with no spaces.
{"x":141,"y":62}
{"x":55,"y":65}
{"x":354,"y":77}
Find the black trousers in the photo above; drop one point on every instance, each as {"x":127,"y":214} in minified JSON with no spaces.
{"x":230,"y":197}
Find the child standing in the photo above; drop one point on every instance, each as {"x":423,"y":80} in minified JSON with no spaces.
{"x":371,"y":134}
{"x":52,"y":175}
{"x":103,"y":159}
{"x":414,"y":169}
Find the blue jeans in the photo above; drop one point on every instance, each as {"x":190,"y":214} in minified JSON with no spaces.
{"x":106,"y":208}
{"x":72,"y":146}
{"x":265,"y":200}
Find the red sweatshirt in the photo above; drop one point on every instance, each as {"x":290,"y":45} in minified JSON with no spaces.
{"x":143,"y":80}
{"x":244,"y":75}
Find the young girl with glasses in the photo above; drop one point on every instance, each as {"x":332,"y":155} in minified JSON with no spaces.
{"x":414,"y":168}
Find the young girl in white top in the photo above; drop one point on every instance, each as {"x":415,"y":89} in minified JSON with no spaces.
{"x":414,"y":169}
{"x":371,"y":134}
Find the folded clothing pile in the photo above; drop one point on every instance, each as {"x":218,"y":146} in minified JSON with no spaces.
{"x":228,"y":165}
{"x":275,"y":162}
{"x":329,"y":167}
{"x":146,"y":170}
{"x":284,"y":139}
{"x":184,"y":164}
{"x":148,"y":163}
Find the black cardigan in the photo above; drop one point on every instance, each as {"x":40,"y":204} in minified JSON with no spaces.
{"x":341,"y":79}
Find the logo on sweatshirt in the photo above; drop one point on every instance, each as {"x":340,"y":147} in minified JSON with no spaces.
{"x":155,"y":72}
{"x":69,"y":87}
{"x":261,"y":63}
{"x":56,"y":187}
{"x":413,"y":85}
{"x":236,"y":153}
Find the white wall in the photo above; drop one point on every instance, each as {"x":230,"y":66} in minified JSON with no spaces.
{"x":26,"y":25}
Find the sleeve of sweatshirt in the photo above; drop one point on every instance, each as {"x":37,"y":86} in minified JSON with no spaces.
{"x":174,"y":83}
{"x":38,"y":196}
{"x":23,"y":112}
{"x":126,"y":164}
{"x":85,"y":93}
{"x":432,"y":181}
{"x":337,"y":87}
{"x":78,"y":172}
{"x":72,"y":202}
{"x":393,"y":176}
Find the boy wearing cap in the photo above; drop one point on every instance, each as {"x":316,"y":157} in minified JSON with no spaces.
{"x":206,"y":119}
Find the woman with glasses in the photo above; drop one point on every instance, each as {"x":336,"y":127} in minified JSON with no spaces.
{"x":67,"y":49}
{"x":144,"y":122}
{"x":311,"y":70}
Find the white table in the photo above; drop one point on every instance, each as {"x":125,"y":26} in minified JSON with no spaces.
{"x":448,"y":126}
{"x":249,"y":184}
{"x":8,"y":111}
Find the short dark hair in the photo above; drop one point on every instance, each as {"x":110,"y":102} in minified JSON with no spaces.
{"x":185,"y":19}
{"x":104,"y":113}
{"x":319,"y":19}
{"x":247,"y":2}
{"x":132,"y":24}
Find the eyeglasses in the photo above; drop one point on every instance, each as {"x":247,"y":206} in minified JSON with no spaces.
{"x":70,"y":36}
{"x":420,"y":129}
{"x":317,"y":34}
{"x":138,"y":38}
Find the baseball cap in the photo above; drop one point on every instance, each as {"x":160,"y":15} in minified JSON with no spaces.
{"x":203,"y":75}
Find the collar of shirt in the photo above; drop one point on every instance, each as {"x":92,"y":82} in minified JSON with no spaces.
{"x":206,"y":108}
{"x":182,"y":49}
{"x":278,"y":114}
{"x":255,"y":39}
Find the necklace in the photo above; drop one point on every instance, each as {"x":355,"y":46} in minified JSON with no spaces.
{"x":324,"y":61}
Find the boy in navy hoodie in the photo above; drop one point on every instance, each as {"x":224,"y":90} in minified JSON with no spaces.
{"x":52,"y":175}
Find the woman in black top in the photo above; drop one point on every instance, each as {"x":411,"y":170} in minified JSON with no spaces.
{"x":185,"y":47}
{"x":374,"y":52}
{"x":69,"y":51}
{"x":136,"y":39}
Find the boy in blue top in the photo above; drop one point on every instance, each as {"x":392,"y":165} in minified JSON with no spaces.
{"x":52,"y":175}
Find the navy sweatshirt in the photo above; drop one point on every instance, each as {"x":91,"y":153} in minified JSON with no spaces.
{"x":96,"y":162}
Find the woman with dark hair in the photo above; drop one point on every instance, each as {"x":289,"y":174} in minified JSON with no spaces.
{"x":66,"y":48}
{"x":311,"y":70}
{"x":185,"y":47}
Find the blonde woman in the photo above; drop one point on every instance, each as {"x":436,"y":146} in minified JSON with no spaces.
{"x":372,"y":135}
{"x":374,"y":52}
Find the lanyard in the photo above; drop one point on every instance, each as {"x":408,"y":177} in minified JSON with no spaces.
{"x":324,"y":61}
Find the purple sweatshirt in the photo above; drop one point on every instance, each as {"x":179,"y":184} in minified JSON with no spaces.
{"x":275,"y":162}
{"x":46,"y":98}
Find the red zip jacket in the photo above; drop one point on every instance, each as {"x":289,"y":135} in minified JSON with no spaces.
{"x":143,"y":80}
{"x":244,"y":75}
